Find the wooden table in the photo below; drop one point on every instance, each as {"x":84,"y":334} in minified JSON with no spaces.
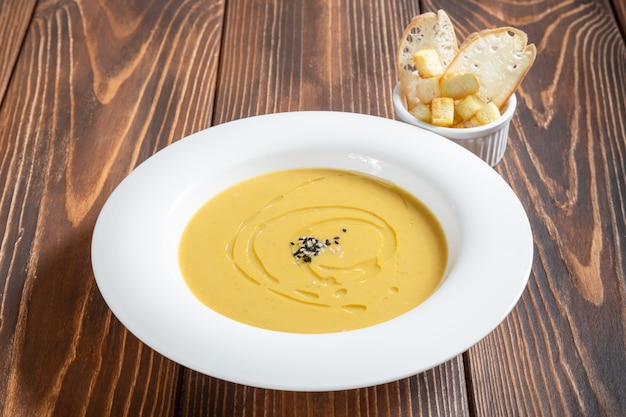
{"x":89,"y":89}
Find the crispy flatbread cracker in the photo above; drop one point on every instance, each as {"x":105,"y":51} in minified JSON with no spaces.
{"x":498,"y":58}
{"x":426,"y":31}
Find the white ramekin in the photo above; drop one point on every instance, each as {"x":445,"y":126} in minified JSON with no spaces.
{"x":488,"y":142}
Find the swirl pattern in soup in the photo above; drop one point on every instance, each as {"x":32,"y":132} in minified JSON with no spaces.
{"x":313,"y":251}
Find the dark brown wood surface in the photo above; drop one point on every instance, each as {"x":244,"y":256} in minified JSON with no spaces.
{"x":14,"y":20}
{"x":89,"y":89}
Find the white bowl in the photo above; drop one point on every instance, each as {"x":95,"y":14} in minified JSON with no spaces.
{"x":136,"y":237}
{"x":487,"y":142}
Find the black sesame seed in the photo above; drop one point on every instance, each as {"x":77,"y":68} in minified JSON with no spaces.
{"x":309,"y":246}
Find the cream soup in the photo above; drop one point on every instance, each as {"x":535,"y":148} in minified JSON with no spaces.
{"x":313,"y":251}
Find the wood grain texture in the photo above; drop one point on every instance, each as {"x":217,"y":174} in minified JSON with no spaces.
{"x":15,"y":17}
{"x":619,"y":8}
{"x":310,"y":55}
{"x":98,"y":87}
{"x":437,"y":392}
{"x":563,"y":349}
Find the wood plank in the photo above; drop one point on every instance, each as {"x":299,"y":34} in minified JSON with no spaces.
{"x":15,"y":16}
{"x":317,"y":55}
{"x":562,"y":350}
{"x":439,"y":391}
{"x":98,"y":87}
{"x":310,"y":55}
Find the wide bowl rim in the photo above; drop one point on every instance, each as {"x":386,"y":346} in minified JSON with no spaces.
{"x":134,"y":244}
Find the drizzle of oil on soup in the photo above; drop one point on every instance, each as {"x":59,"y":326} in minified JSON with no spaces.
{"x":313,"y":251}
